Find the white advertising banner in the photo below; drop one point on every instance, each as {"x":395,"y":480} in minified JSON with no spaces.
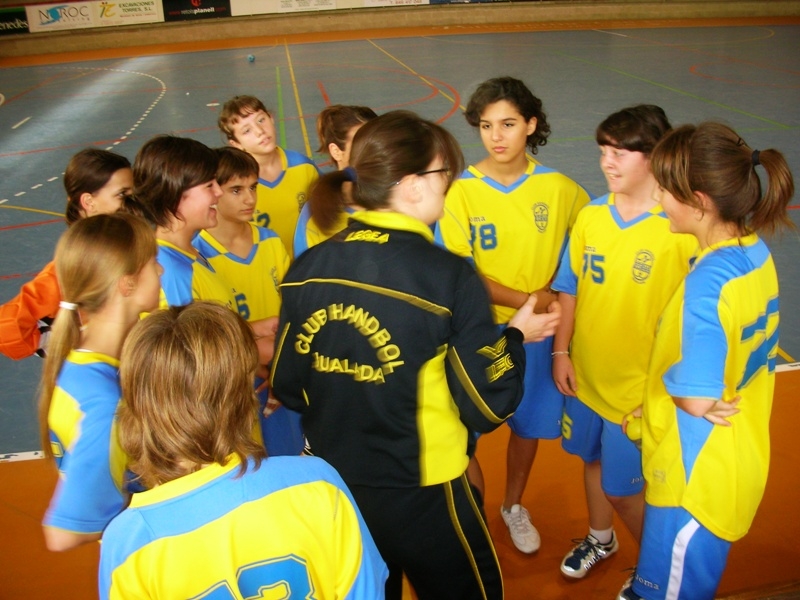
{"x":80,"y":15}
{"x":55,"y":17}
{"x":267,"y":7}
{"x":371,"y":3}
{"x":129,"y":12}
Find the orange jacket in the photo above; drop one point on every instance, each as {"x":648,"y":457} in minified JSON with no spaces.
{"x":19,"y":317}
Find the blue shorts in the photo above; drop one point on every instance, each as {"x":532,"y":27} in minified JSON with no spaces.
{"x":281,"y":431}
{"x":539,"y":413}
{"x":679,"y":559}
{"x":590,"y":436}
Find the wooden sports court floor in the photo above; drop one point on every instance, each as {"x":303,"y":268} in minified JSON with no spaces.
{"x":745,"y":73}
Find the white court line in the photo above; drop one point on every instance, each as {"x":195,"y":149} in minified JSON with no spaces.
{"x":20,"y":456}
{"x":787,"y":367}
{"x":610,"y":32}
{"x":25,"y":120}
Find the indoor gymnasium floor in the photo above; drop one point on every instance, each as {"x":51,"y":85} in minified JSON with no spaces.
{"x":746,"y":74}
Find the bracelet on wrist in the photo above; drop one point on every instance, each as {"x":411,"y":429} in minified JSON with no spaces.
{"x":559,"y":352}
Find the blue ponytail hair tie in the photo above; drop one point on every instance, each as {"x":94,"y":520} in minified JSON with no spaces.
{"x":350,"y":174}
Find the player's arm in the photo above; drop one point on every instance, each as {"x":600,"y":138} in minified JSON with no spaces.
{"x":563,"y":369}
{"x":59,"y":540}
{"x":264,"y":332}
{"x":485,"y":370}
{"x":716,"y":411}
{"x":20,"y":335}
{"x":506,"y":296}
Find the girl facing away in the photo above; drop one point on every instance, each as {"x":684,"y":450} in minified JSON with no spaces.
{"x":336,"y":126}
{"x":96,"y":182}
{"x":510,"y":217}
{"x":708,"y":398}
{"x":108,"y":274}
{"x":219,"y":518}
{"x":387,"y":347}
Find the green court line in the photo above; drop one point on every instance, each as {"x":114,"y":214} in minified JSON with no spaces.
{"x":281,"y":125}
{"x":674,"y":90}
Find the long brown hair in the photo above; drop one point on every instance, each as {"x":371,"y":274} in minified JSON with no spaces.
{"x":713,"y":159}
{"x":91,"y":257}
{"x":187,"y":381}
{"x":385,"y":150}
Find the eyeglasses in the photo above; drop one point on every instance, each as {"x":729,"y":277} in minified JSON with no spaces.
{"x":445,"y":171}
{"x":421,"y":173}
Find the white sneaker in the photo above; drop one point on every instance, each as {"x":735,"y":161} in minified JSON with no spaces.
{"x":523,"y":533}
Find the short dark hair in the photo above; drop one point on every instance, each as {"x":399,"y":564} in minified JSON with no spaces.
{"x":234,"y":163}
{"x":164,"y":168}
{"x":636,"y":128}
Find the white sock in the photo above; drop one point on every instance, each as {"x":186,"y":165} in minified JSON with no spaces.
{"x":603,"y":535}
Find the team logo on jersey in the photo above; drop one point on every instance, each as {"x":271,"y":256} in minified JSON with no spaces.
{"x":642,"y":265}
{"x":301,"y":199}
{"x":540,"y":216}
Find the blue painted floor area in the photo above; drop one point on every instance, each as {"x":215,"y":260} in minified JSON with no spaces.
{"x":748,"y":77}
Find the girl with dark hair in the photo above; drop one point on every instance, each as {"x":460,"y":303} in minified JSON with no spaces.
{"x":620,"y":247}
{"x":510,"y":216}
{"x":707,"y":402}
{"x":387,"y":347}
{"x":96,"y":182}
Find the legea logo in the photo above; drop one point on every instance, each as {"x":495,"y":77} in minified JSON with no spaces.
{"x":63,"y":14}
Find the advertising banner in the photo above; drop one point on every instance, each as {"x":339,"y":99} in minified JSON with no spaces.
{"x":13,"y":20}
{"x":128,"y":12}
{"x":371,"y":3}
{"x":56,"y":17}
{"x":182,"y":10}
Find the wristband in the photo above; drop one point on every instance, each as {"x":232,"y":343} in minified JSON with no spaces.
{"x":558,"y":352}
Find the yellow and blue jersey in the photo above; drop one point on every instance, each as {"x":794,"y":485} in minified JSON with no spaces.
{"x":187,"y":277}
{"x":622,"y":274}
{"x":290,"y":526}
{"x":254,"y":279}
{"x":83,"y":438}
{"x":308,"y":233}
{"x":717,"y":339}
{"x":278,"y":202}
{"x":512,"y":234}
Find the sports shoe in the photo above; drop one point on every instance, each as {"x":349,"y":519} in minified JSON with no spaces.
{"x":586,"y":554}
{"x":627,"y":593}
{"x":523,"y":533}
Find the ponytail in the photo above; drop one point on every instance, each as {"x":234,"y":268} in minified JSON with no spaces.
{"x":770,"y":211}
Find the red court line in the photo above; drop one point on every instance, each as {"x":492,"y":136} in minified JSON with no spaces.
{"x":34,"y":224}
{"x":324,"y":93}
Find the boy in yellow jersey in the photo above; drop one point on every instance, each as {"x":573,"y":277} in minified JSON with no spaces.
{"x":220,"y":519}
{"x":510,"y":217}
{"x":621,"y":267}
{"x":253,"y":261}
{"x":284,"y":176}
